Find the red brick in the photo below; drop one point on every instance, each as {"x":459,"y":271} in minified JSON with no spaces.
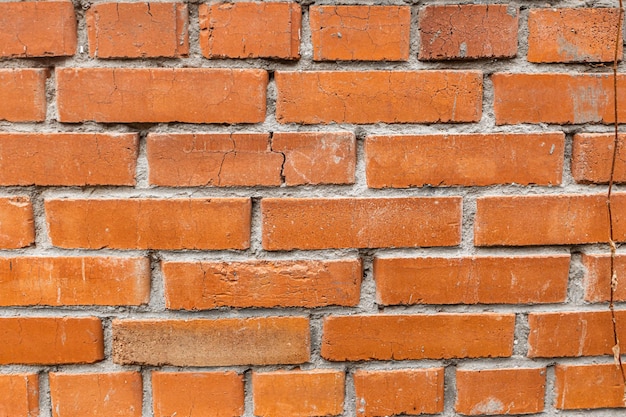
{"x":588,"y":386}
{"x":115,"y":394}
{"x":378,"y":96}
{"x":35,"y":281}
{"x":250,"y":30}
{"x":467,"y":31}
{"x":305,"y":223}
{"x":400,"y":337}
{"x":219,"y":342}
{"x":37,"y":28}
{"x":500,"y":391}
{"x":313,"y":158}
{"x":217,"y":394}
{"x":597,"y":279}
{"x":190,"y":223}
{"x":592,"y":155}
{"x":137,"y":30}
{"x":50,"y":340}
{"x":573,"y":35}
{"x":548,"y":220}
{"x":556,"y":98}
{"x":298,"y":393}
{"x":472,"y":280}
{"x":192,"y":95}
{"x":68,"y":159}
{"x":216,"y":159}
{"x":23,"y":94}
{"x":405,"y":391}
{"x":576,"y":333}
{"x":467,"y":160}
{"x":208,"y":285}
{"x":17,"y":229}
{"x":360,"y":33}
{"x":19,"y":395}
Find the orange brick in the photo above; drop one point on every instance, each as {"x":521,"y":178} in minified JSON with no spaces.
{"x":220,"y":342}
{"x":556,"y":98}
{"x":74,"y":281}
{"x":597,"y":279}
{"x":50,"y":340}
{"x":190,"y":223}
{"x":317,"y":157}
{"x":115,"y":394}
{"x":360,"y":33}
{"x":68,"y":159}
{"x":588,"y":386}
{"x":500,"y":391}
{"x":250,"y":30}
{"x":472,"y":280}
{"x":19,"y":395}
{"x":573,"y":35}
{"x":400,"y":337}
{"x":17,"y":229}
{"x":312,"y":97}
{"x":216,"y":159}
{"x":406,"y":391}
{"x":467,"y":31}
{"x":592,"y":155}
{"x":467,"y":160}
{"x":218,"y":394}
{"x":298,"y":393}
{"x":207,"y":285}
{"x":137,"y":30}
{"x":192,"y":95}
{"x":547,"y":220}
{"x":37,"y":28}
{"x":23,"y":94}
{"x":561,"y":334}
{"x":305,"y":223}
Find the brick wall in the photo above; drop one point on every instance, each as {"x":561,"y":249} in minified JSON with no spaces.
{"x":302,"y":209}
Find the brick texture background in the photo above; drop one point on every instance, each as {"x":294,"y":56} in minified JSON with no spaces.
{"x":308,"y":208}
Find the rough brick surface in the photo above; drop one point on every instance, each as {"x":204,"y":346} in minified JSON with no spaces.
{"x":17,"y":229}
{"x":220,"y":342}
{"x":250,"y":30}
{"x":573,"y":35}
{"x":449,"y":160}
{"x":468,"y":31}
{"x":19,"y":395}
{"x":597,"y":279}
{"x":378,"y":96}
{"x":588,"y":386}
{"x":207,"y":285}
{"x":592,"y":156}
{"x":22,"y":95}
{"x":360,"y":33}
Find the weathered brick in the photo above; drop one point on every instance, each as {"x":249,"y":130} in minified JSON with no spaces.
{"x":464,"y":159}
{"x":113,"y":394}
{"x":37,"y":29}
{"x":193,"y":95}
{"x":19,"y":395}
{"x":137,"y":30}
{"x":207,"y":285}
{"x":220,"y":342}
{"x":399,"y":337}
{"x":592,"y":155}
{"x":472,"y":280}
{"x":500,"y":391}
{"x":468,"y":31}
{"x":23,"y":94}
{"x":573,"y":35}
{"x":50,"y":340}
{"x":250,"y":30}
{"x":360,"y":33}
{"x":588,"y":386}
{"x":360,"y":223}
{"x":197,"y":394}
{"x":298,"y":393}
{"x":378,"y":96}
{"x":405,"y":391}
{"x":17,"y":228}
{"x":597,"y":278}
{"x":190,"y":223}
{"x":34,"y":281}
